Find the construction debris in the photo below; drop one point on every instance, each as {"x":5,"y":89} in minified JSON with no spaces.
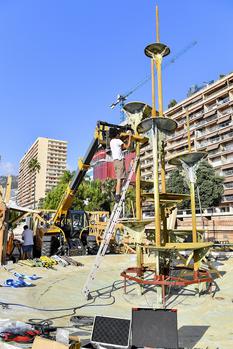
{"x":51,"y":262}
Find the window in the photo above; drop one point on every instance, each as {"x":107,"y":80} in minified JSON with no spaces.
{"x":228,"y":172}
{"x":228,"y":185}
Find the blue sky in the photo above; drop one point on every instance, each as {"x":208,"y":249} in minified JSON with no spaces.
{"x":62,"y":63}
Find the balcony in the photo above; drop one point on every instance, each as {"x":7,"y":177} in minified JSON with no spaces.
{"x":208,"y":120}
{"x":220,"y":139}
{"x":144,"y":149}
{"x":146,"y":173}
{"x":216,"y":163}
{"x":210,"y":108}
{"x":196,"y":116}
{"x":146,"y":156}
{"x":213,"y":129}
{"x":216,"y":92}
{"x":223,"y":103}
{"x":228,"y":147}
{"x":228,"y":185}
{"x":228,"y":172}
{"x":176,"y":136}
{"x":225,"y":112}
{"x":228,"y":198}
{"x":146,"y":165}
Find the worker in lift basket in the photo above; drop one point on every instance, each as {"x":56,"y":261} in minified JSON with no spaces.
{"x":117,"y":147}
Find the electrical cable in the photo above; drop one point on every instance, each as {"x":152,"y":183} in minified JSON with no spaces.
{"x":74,"y":310}
{"x":44,"y":324}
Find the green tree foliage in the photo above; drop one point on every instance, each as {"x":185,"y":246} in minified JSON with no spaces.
{"x":91,"y":195}
{"x":53,"y":198}
{"x":34,"y":167}
{"x":209,"y":183}
{"x":130,"y":202}
{"x":172,"y":103}
{"x":176,"y":184}
{"x":40,"y":203}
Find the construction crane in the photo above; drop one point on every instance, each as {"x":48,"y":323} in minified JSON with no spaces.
{"x":121,"y":98}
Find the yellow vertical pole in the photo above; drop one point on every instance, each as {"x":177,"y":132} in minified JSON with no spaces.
{"x":192,"y":188}
{"x":155,"y":164}
{"x":157,"y":22}
{"x":196,"y":265}
{"x":2,"y":227}
{"x":156,"y":188}
{"x":138,"y":185}
{"x":163,"y":171}
{"x":7,"y":195}
{"x":153,"y":88}
{"x":158,"y":61}
{"x":193,"y":210}
{"x":188,"y":131}
{"x":156,"y":168}
{"x":139,"y":249}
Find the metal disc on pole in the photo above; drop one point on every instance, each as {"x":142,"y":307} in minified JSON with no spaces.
{"x":190,"y":159}
{"x":137,"y":107}
{"x":165,"y":125}
{"x":136,"y":112}
{"x":157,"y":49}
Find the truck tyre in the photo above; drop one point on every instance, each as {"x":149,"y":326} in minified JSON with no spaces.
{"x":50,"y":245}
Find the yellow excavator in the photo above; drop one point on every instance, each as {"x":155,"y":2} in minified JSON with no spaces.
{"x":71,"y":231}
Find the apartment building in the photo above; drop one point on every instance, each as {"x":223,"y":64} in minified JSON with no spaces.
{"x":52,"y":156}
{"x":211,"y":125}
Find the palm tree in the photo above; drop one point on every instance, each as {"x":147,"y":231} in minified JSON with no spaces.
{"x":34,"y":167}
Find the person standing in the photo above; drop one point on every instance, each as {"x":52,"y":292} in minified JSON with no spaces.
{"x":28,"y":243}
{"x":40,"y":232}
{"x":117,"y":146}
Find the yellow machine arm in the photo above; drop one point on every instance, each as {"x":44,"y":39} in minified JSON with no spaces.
{"x":101,"y":136}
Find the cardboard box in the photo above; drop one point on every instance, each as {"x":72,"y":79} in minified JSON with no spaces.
{"x":43,"y":343}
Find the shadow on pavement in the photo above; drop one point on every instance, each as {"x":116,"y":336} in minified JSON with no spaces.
{"x":189,"y":336}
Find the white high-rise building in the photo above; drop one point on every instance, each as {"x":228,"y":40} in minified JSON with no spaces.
{"x":52,"y":156}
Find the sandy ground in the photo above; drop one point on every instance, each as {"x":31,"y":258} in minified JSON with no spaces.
{"x":203,"y":321}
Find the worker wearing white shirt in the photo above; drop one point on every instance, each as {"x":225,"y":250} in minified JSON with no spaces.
{"x":117,"y":147}
{"x":28,"y":242}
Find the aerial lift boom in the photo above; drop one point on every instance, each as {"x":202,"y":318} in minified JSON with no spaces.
{"x":101,"y":137}
{"x":71,"y":226}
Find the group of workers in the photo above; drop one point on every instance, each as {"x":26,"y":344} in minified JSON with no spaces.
{"x":30,"y":245}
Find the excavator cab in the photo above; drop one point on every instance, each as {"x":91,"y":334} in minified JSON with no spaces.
{"x":75,"y":226}
{"x":77,"y":241}
{"x":79,"y":223}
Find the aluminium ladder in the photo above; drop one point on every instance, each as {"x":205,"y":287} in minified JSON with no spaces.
{"x":109,"y":230}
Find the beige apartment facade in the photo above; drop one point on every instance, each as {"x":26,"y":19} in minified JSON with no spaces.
{"x":52,"y":156}
{"x":211,"y":124}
